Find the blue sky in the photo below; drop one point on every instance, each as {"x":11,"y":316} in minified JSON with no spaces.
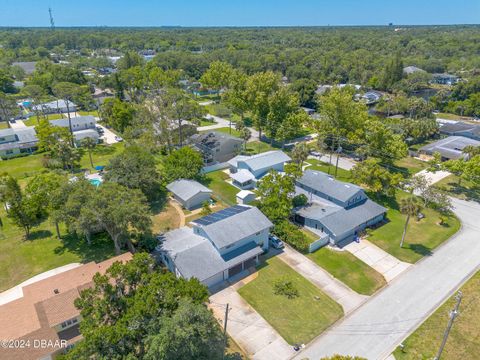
{"x":238,"y":12}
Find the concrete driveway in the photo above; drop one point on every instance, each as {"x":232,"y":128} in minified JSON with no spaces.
{"x":343,"y":162}
{"x":337,"y":290}
{"x":375,"y":329}
{"x":433,"y":177}
{"x":250,"y":330}
{"x":387,"y":265}
{"x":108,"y":135}
{"x":18,"y":124}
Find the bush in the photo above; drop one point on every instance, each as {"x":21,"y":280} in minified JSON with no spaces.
{"x":292,"y":235}
{"x":285,"y":288}
{"x":299,"y":200}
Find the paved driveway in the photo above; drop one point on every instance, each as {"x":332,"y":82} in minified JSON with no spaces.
{"x":337,"y":290}
{"x":387,"y":265}
{"x":377,"y":327}
{"x":250,"y":330}
{"x":18,"y":124}
{"x":433,"y":177}
{"x":108,"y":135}
{"x":343,"y":162}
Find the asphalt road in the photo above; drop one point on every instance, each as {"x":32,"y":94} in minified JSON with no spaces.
{"x":377,"y":327}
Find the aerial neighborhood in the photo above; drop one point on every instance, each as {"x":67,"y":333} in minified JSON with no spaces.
{"x":240,"y":192}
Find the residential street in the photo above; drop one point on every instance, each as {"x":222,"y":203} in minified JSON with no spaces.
{"x":376,"y":328}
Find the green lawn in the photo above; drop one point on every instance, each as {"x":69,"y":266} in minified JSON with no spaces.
{"x":21,"y":259}
{"x":221,"y":189}
{"x":422,"y":236}
{"x":257,"y":147}
{"x":93,"y":113}
{"x":448,"y":116}
{"x":4,"y":125}
{"x":349,"y":270}
{"x":342,"y":175}
{"x":464,"y":339}
{"x":207,"y":122}
{"x":409,"y":166}
{"x":226,"y":130}
{"x":465,"y":190}
{"x":297,"y":320}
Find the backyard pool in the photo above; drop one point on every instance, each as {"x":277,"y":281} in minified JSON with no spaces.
{"x":95,"y":182}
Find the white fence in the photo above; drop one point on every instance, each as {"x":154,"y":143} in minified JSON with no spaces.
{"x":214,"y":167}
{"x":317,"y":244}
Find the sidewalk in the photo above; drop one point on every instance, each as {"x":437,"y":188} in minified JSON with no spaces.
{"x":338,"y":291}
{"x":387,"y":265}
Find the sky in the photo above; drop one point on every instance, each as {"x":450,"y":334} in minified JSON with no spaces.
{"x":238,"y":12}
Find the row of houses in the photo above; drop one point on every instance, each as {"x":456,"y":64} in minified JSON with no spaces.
{"x":24,"y":140}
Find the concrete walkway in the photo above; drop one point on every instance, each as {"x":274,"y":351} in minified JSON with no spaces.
{"x":338,"y":291}
{"x":375,"y":329}
{"x":18,"y":124}
{"x":249,"y":329}
{"x":433,"y":177}
{"x":16,"y":292}
{"x":387,"y":265}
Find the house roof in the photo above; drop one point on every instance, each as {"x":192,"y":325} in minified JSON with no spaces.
{"x":266,"y":159}
{"x":25,"y":137}
{"x":27,"y":66}
{"x":87,"y":133}
{"x":234,"y":161}
{"x":60,"y":103}
{"x":411,"y":69}
{"x":230,"y":225}
{"x":195,"y":256}
{"x":212,"y":139}
{"x":49,"y":301}
{"x":453,"y":128}
{"x":244,"y":193}
{"x":329,"y":186}
{"x":450,"y":147}
{"x":186,"y":189}
{"x":76,"y":121}
{"x":242,"y":176}
{"x":339,"y":220}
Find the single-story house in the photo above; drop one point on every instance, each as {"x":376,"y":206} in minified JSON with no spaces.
{"x":79,"y":123}
{"x":445,"y":79}
{"x":56,"y":107}
{"x":217,"y":246}
{"x":450,"y":147}
{"x":78,"y":136}
{"x":189,"y":193}
{"x":245,"y":197}
{"x":216,"y":147}
{"x":336,"y":211}
{"x":246,"y":170}
{"x":27,"y":66}
{"x":460,"y":128}
{"x":17,"y":141}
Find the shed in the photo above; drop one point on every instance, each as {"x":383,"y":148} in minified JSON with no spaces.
{"x":189,"y":193}
{"x":245,"y":197}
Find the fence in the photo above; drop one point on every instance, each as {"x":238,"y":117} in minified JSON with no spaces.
{"x":214,"y":167}
{"x":317,"y":244}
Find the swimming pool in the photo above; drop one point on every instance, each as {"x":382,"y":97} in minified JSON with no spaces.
{"x":96,"y":182}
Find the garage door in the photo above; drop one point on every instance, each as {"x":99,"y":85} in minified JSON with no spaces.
{"x":235,"y":270}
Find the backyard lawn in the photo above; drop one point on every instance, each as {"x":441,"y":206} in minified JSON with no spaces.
{"x":226,"y":130}
{"x":422,"y":236}
{"x":465,"y":190}
{"x":342,"y":175}
{"x":409,"y":165}
{"x":221,"y":189}
{"x":166,"y":219}
{"x":348,"y":269}
{"x":257,"y":147}
{"x":21,"y":259}
{"x":298,"y":319}
{"x":464,"y":339}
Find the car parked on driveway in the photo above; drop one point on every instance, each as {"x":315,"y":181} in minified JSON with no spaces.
{"x":275,"y":242}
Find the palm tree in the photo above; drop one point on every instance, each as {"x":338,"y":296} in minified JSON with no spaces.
{"x":89,"y":144}
{"x":410,"y":207}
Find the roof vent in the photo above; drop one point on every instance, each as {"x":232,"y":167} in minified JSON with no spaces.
{"x":56,"y":291}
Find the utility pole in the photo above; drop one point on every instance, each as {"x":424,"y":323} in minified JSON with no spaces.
{"x":225,"y":329}
{"x":453,"y":315}
{"x":339,"y":150}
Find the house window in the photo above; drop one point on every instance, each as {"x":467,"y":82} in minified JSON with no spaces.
{"x":68,"y":323}
{"x":8,"y":152}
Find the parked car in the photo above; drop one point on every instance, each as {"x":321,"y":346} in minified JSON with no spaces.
{"x":276,"y":242}
{"x":118,"y":138}
{"x":315,"y":153}
{"x":100,"y":130}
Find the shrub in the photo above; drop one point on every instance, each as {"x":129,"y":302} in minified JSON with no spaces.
{"x":292,"y":235}
{"x":299,"y":200}
{"x":285,"y":288}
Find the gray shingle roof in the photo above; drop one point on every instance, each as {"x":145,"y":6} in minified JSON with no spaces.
{"x":339,"y":220}
{"x":60,"y":103}
{"x":326,"y":184}
{"x":266,"y":159}
{"x":236,"y":227}
{"x":454,"y":128}
{"x":451,"y":147}
{"x":26,"y":137}
{"x":27,"y":66}
{"x":185,"y":189}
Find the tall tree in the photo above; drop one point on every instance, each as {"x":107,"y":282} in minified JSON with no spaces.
{"x":184,"y":163}
{"x":90,"y":144}
{"x":409,"y":207}
{"x":300,"y":153}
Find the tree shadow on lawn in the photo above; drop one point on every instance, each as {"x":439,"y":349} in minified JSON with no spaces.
{"x":420,"y":249}
{"x":159,"y":203}
{"x":100,"y":249}
{"x":386,"y":201}
{"x":469,"y":193}
{"x":38,"y":235}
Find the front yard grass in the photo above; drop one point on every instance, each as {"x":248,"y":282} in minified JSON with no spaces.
{"x":342,"y":174}
{"x":422,"y":236}
{"x":257,"y":147}
{"x":222,"y":190}
{"x":297,"y":320}
{"x":348,"y":269}
{"x":465,"y":190}
{"x":226,"y":130}
{"x":409,"y":165}
{"x":21,"y":259}
{"x":463,"y":342}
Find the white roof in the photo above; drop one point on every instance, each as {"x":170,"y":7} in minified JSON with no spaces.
{"x":266,"y":160}
{"x":185,"y":189}
{"x":244,"y":193}
{"x":242,"y":176}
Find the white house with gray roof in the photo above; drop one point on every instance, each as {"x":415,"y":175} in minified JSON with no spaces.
{"x":56,"y":107}
{"x":17,"y":141}
{"x":246,"y":170}
{"x":336,"y":211}
{"x":450,"y":148}
{"x":217,"y":246}
{"x":189,"y":193}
